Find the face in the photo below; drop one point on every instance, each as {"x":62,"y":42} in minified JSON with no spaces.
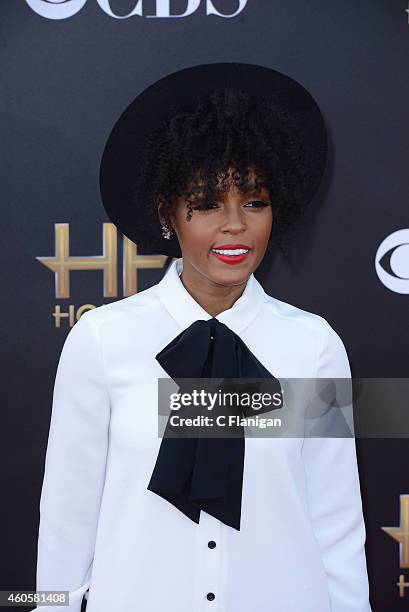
{"x":234,"y":221}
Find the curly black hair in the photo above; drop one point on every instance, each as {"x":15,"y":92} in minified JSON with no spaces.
{"x":222,"y":139}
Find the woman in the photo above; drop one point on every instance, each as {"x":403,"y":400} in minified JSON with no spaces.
{"x":152,"y":523}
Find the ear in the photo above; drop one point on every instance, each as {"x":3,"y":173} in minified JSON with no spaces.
{"x":160,"y":206}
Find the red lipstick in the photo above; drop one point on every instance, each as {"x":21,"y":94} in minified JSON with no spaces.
{"x":234,"y":258}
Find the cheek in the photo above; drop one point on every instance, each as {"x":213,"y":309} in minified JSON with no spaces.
{"x":194,"y":233}
{"x":263,"y":228}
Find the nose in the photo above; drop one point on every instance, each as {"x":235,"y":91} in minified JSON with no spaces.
{"x":233,"y":220}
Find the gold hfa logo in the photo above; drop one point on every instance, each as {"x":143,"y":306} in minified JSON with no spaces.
{"x":62,"y":264}
{"x":401,"y":535}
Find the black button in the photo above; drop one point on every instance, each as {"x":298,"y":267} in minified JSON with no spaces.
{"x":210,"y":596}
{"x":211,"y":544}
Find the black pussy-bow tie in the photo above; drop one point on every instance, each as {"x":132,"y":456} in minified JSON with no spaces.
{"x":202,"y":473}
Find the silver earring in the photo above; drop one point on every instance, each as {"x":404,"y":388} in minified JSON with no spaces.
{"x":166,"y":232}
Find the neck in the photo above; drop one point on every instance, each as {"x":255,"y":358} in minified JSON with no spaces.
{"x":212,"y":297}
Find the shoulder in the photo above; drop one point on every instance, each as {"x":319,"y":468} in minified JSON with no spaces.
{"x":305,"y":329}
{"x":289,"y":314}
{"x":137,"y":307}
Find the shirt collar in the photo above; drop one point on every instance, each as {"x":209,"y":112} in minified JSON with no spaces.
{"x":185,"y":309}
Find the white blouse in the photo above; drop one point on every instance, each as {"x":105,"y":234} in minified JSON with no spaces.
{"x":300,"y":547}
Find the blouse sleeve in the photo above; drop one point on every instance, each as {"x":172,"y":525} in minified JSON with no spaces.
{"x":74,"y":467}
{"x":334,"y":497}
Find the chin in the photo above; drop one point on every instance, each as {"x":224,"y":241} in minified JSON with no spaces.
{"x":230,"y":275}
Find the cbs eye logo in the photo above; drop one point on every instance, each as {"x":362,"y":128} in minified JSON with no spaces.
{"x":392,"y":261}
{"x":56,"y":9}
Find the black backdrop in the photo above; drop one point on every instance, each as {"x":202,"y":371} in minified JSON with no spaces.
{"x":65,"y":81}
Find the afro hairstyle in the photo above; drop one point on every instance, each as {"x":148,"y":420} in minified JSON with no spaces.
{"x":226,"y":135}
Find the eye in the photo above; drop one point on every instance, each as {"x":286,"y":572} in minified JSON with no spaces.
{"x":260,"y":203}
{"x":204,"y":206}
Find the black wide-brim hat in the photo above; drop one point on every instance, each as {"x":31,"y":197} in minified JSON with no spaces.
{"x":154,"y":105}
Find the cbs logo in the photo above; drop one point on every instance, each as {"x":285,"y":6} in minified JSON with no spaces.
{"x":392,"y":261}
{"x":62,"y":9}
